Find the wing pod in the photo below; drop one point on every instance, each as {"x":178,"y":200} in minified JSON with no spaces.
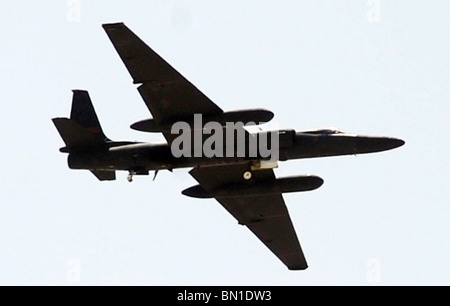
{"x":248,"y":117}
{"x":277,"y":186}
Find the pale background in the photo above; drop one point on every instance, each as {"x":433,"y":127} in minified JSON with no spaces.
{"x":380,"y":219}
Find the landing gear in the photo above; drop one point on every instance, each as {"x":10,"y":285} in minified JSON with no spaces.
{"x":130,"y":176}
{"x":247,"y":175}
{"x":156,"y":173}
{"x":136,"y":171}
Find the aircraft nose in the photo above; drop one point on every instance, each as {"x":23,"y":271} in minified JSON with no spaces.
{"x":378,"y":144}
{"x":395,"y":143}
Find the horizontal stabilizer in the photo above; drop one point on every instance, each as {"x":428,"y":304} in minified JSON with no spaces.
{"x":76,"y":135}
{"x":83,"y":128}
{"x":105,"y":175}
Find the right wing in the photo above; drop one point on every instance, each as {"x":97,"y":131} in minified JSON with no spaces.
{"x":265,"y":215}
{"x":168,"y":95}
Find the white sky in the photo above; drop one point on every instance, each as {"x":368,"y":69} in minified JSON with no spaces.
{"x":379,"y":219}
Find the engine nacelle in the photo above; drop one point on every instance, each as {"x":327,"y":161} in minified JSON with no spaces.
{"x":255,"y":116}
{"x":277,"y":186}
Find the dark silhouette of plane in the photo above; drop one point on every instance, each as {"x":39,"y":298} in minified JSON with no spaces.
{"x":244,"y":183}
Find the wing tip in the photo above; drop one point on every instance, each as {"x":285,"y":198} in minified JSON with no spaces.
{"x":298,"y":267}
{"x":79,"y":91}
{"x":114,"y":25}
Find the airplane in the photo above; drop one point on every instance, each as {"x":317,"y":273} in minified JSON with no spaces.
{"x":245,"y":185}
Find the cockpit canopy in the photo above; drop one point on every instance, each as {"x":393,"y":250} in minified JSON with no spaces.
{"x":330,"y":131}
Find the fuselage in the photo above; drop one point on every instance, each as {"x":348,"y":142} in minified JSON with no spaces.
{"x":143,"y":157}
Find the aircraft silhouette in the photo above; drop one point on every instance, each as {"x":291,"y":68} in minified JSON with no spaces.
{"x":243,"y":182}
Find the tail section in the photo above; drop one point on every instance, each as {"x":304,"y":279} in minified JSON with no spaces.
{"x":82,"y":132}
{"x":83,"y":128}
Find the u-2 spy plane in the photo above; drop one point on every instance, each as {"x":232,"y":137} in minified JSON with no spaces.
{"x":244,"y":183}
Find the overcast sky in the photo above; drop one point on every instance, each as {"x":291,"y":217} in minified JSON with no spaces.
{"x":380,"y":219}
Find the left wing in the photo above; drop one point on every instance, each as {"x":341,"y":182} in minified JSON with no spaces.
{"x":168,"y":95}
{"x":265,"y":215}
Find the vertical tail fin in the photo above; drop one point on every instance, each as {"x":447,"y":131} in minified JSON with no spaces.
{"x":83,"y":113}
{"x":83,"y":128}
